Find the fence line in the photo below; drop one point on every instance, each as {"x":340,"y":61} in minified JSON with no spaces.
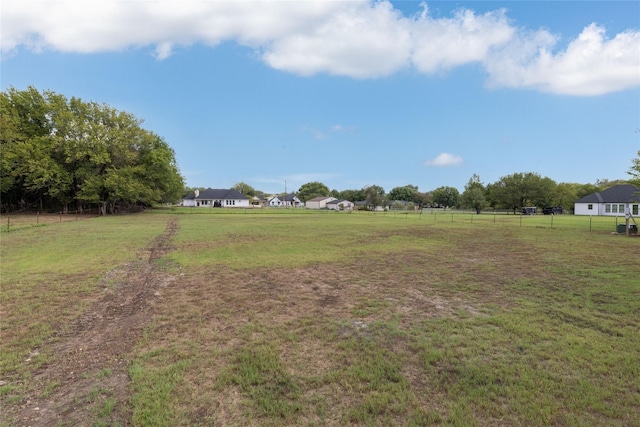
{"x":10,"y":222}
{"x":16,"y":221}
{"x":504,"y":218}
{"x":435,"y":216}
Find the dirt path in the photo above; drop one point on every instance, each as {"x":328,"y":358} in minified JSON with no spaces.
{"x":88,"y":378}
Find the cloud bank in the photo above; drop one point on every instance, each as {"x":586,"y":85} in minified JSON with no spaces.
{"x":360,"y":39}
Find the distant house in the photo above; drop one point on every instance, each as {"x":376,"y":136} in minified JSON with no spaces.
{"x":286,"y":201}
{"x":340,"y":205}
{"x":319,"y":202}
{"x":614,"y":201}
{"x":257,"y":201}
{"x":216,"y":198}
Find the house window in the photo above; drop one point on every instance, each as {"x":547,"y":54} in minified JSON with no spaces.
{"x":614,"y":208}
{"x":590,"y":206}
{"x":635,"y":210}
{"x":607,"y":208}
{"x":621,"y":208}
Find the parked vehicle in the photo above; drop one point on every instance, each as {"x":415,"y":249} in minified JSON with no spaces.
{"x":530,"y":210}
{"x":552,"y":210}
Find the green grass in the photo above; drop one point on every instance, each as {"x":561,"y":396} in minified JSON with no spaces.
{"x":50,"y":274}
{"x":154,"y":377}
{"x":299,"y":318}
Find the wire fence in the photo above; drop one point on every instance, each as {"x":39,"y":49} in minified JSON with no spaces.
{"x":611,"y":224}
{"x":16,"y":221}
{"x":487,"y":218}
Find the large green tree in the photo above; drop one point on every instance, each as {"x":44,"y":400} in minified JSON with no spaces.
{"x":375,"y":196}
{"x":58,"y":151}
{"x":474,"y":195}
{"x":405,"y":193}
{"x":565,"y":195}
{"x":244,"y":188}
{"x":446,"y":196}
{"x":423,"y":199}
{"x":312,"y":189}
{"x":352,"y":195}
{"x":518,"y":190}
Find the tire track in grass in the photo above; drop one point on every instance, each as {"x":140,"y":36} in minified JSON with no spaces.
{"x":87,"y":380}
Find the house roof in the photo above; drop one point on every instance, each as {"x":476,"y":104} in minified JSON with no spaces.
{"x":218,"y":194}
{"x":624,"y":193}
{"x":337,"y":202}
{"x":319,"y":199}
{"x":288,"y":197}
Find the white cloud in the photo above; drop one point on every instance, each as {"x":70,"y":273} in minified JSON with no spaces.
{"x":444,"y":159}
{"x":361,"y":40}
{"x":449,"y":42}
{"x":356,"y":38}
{"x":590,"y":65}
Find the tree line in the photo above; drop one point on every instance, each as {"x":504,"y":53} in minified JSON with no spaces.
{"x":60,"y":154}
{"x":510,"y":192}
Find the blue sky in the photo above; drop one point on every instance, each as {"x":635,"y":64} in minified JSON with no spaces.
{"x":350,"y":93}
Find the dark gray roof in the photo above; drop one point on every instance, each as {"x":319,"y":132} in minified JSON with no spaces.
{"x":617,"y":194}
{"x":337,"y":202}
{"x":218,"y":194}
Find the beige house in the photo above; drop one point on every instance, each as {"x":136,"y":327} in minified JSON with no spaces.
{"x":319,"y":202}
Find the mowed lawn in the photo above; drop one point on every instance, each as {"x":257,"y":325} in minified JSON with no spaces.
{"x":343,"y":319}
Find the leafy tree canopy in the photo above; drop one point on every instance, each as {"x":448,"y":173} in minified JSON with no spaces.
{"x":522,"y":189}
{"x":474,"y":195}
{"x":406,"y":193}
{"x":244,"y":188}
{"x":374,"y":196}
{"x":57,"y":151}
{"x":352,"y":195}
{"x":446,"y":196}
{"x":312,"y":189}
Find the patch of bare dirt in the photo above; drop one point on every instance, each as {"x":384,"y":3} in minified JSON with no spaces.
{"x":88,"y":376}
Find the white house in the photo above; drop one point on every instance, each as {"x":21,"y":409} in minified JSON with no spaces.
{"x":286,"y":201}
{"x":340,"y":205}
{"x":319,"y":202}
{"x":614,"y":201}
{"x":216,"y":198}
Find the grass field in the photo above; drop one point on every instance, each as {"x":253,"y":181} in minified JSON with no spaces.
{"x":172,"y":318}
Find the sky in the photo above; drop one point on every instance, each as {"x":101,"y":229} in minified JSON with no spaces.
{"x":349,"y":93}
